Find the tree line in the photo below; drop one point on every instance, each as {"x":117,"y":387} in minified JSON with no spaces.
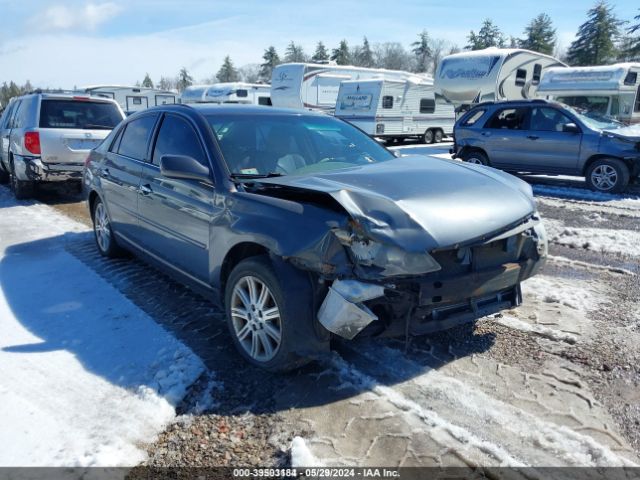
{"x":602,"y":39}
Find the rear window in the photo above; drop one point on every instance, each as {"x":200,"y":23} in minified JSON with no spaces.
{"x":472,"y":118}
{"x":78,"y":114}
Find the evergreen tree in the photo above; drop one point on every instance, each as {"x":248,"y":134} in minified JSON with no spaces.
{"x":341,"y":55}
{"x":595,"y":42}
{"x":630,"y":44}
{"x":363,"y":56}
{"x":294,"y":53}
{"x":184,"y":79}
{"x":228,"y":72}
{"x":540,"y":36}
{"x":147,"y":82}
{"x":271,"y":60}
{"x":488,"y":36}
{"x":422,"y":51}
{"x":321,"y":54}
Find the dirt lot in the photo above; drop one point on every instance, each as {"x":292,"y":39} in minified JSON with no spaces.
{"x":553,"y":383}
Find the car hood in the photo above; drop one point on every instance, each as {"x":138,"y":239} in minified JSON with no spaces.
{"x":420,"y":203}
{"x":631,"y":133}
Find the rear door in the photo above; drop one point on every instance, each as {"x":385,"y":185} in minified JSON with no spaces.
{"x":70,"y":128}
{"x":5,"y":132}
{"x":547,"y":148}
{"x":121,"y":172}
{"x":503,"y":136}
{"x":175,"y":214}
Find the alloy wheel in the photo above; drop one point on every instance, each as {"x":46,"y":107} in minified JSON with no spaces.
{"x":256,"y":318}
{"x":604,"y":177}
{"x":101,"y":227}
{"x":475,"y":161}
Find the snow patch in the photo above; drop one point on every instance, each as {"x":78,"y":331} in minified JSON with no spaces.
{"x":546,"y":332}
{"x":301,"y":456}
{"x":610,"y":199}
{"x":626,"y":242}
{"x":571,"y":293}
{"x":86,"y":377}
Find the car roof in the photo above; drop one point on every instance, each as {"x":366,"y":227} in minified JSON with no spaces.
{"x":233,"y":108}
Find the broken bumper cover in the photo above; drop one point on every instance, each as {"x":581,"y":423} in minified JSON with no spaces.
{"x":434,"y":302}
{"x":33,"y":169}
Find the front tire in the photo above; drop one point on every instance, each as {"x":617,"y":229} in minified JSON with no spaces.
{"x":267,"y":326}
{"x":608,"y":175}
{"x":103,"y":232}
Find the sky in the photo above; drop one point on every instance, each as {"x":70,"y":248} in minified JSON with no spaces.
{"x":71,"y":43}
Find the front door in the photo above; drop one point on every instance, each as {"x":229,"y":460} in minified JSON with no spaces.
{"x":503,"y":135}
{"x":547,"y":147}
{"x":175,"y":214}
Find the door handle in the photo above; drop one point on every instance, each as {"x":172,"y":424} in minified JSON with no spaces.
{"x":486,"y":134}
{"x":145,"y":190}
{"x":533,"y":137}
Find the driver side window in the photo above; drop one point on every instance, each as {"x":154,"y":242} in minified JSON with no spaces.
{"x":545,"y":119}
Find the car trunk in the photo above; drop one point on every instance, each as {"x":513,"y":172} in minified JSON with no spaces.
{"x":60,"y":145}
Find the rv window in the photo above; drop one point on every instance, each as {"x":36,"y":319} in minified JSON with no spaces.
{"x":615,"y":105}
{"x":427,"y":105}
{"x":521,"y":77}
{"x":242,"y":93}
{"x":631,"y":78}
{"x":636,"y":108}
{"x":264,"y":101}
{"x":537,"y":73}
{"x":387,"y":101}
{"x":137,"y":101}
{"x":508,"y":118}
{"x":472,"y":118}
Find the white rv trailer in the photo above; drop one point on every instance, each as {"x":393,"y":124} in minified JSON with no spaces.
{"x":133,"y":99}
{"x":228,"y":92}
{"x":609,"y":89}
{"x":395,"y":109}
{"x":491,"y":74}
{"x":315,"y":86}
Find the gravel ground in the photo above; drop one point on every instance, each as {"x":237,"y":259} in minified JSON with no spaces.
{"x":243,"y":417}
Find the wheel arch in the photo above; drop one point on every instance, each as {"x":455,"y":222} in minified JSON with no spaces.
{"x":239,"y":252}
{"x":601,"y":156}
{"x":473,"y":148}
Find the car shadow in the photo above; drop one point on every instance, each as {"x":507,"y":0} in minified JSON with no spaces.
{"x":52,"y":307}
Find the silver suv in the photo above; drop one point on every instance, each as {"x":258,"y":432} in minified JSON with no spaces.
{"x":538,"y":136}
{"x":47,"y":137}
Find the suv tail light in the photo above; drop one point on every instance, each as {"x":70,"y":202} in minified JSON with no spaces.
{"x":32,"y":142}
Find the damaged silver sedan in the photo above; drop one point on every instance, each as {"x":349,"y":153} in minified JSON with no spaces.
{"x":303,"y":227}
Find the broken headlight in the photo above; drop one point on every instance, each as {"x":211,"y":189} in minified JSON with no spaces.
{"x":392,"y":260}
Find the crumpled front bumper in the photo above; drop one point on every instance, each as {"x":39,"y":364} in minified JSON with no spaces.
{"x":34,"y":169}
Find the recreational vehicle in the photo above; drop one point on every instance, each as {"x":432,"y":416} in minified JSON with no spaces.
{"x":491,"y":74}
{"x":132,"y":99}
{"x":395,"y":109}
{"x":612,"y":90}
{"x":230,"y":92}
{"x":315,"y":86}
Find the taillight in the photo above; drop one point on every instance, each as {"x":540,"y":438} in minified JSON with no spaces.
{"x":32,"y":142}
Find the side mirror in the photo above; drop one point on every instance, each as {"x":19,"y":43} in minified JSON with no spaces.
{"x":570,"y":128}
{"x":183,"y":167}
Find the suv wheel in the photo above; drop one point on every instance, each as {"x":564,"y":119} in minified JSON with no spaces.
{"x":608,"y":175}
{"x":476,"y":157}
{"x":267,"y":326}
{"x":21,"y":189}
{"x":438,"y":136}
{"x":4,"y":175}
{"x":103,"y":233}
{"x":428,"y":136}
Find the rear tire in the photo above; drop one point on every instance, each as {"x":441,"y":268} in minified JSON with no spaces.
{"x":4,"y":175}
{"x":438,"y":136}
{"x":269,"y":327}
{"x":475,"y":157}
{"x":608,"y":175}
{"x":428,"y":137}
{"x":21,"y":189}
{"x":103,"y":233}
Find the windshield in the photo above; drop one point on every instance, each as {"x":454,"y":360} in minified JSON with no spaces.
{"x":79,"y":114}
{"x":292,"y":144}
{"x":595,"y":120}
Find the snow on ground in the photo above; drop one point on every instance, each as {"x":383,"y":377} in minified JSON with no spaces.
{"x":301,"y":456}
{"x":605,"y":199}
{"x":572,"y":293}
{"x":85,"y":376}
{"x":626,"y":242}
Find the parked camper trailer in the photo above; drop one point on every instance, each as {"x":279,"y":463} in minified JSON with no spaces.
{"x":133,"y":99}
{"x":229,"y":92}
{"x":395,"y":109}
{"x":315,"y":86}
{"x":612,"y":90}
{"x":491,"y":74}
